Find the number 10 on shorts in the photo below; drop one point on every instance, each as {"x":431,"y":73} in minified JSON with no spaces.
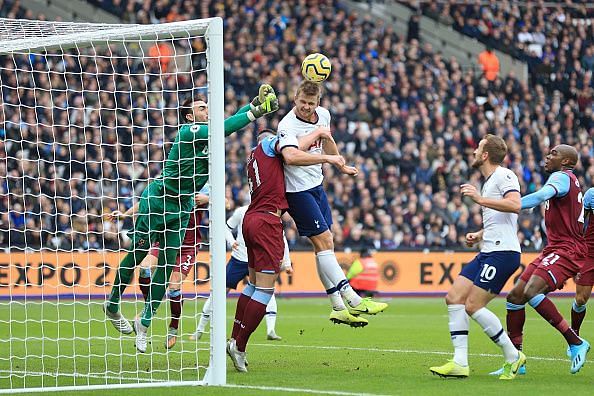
{"x":488,"y":272}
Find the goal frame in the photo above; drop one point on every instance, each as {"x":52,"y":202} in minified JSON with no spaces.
{"x":212,"y":30}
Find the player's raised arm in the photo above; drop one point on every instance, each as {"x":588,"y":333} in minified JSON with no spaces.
{"x":305,"y":142}
{"x":293,"y":156}
{"x":263,"y":91}
{"x":331,"y":149}
{"x":511,"y":201}
{"x":556,"y":186}
{"x":240,"y":120}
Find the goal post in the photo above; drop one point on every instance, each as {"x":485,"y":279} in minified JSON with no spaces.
{"x":89,"y":112}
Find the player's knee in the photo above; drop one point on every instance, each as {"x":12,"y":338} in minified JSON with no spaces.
{"x":581,"y":300}
{"x":323,"y":241}
{"x":532,"y":290}
{"x":582,"y":295}
{"x":454,"y":298}
{"x":471,"y":307}
{"x":516,"y":296}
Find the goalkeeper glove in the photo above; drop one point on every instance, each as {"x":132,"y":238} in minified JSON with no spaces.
{"x":269,"y":105}
{"x":264,"y":90}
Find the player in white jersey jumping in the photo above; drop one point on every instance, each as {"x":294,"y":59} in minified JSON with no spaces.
{"x":237,"y":270}
{"x":483,"y":278}
{"x":308,"y":204}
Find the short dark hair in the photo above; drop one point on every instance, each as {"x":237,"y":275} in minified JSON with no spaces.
{"x":266,"y":131}
{"x":496,"y":148}
{"x":309,"y":88}
{"x":187,"y":108}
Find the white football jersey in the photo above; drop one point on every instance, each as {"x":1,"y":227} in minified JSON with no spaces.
{"x":500,"y":228}
{"x":302,"y":178}
{"x":235,"y":222}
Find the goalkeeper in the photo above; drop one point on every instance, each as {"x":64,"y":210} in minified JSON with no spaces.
{"x":166,"y":203}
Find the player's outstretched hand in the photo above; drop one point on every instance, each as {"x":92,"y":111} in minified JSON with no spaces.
{"x":269,"y":105}
{"x":349,"y":170}
{"x":116,"y":215}
{"x":286,"y":266}
{"x":201,"y":199}
{"x":470,"y":191}
{"x":472,"y":238}
{"x":264,"y":90}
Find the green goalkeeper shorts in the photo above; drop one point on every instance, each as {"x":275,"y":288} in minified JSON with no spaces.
{"x":158,"y":217}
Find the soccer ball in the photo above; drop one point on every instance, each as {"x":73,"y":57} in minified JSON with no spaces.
{"x":316,"y":67}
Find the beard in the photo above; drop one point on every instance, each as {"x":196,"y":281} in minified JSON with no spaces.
{"x":477,"y":163}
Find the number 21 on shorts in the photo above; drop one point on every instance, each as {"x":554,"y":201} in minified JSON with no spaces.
{"x":550,"y":259}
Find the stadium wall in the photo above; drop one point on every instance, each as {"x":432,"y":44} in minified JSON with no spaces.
{"x":51,"y":275}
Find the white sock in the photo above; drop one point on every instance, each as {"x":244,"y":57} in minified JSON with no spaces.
{"x":459,"y":326}
{"x":328,"y":264}
{"x":271,"y":315}
{"x":333,"y":294}
{"x":493,"y":328}
{"x":205,"y":318}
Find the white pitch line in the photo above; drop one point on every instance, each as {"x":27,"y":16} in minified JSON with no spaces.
{"x":264,"y":388}
{"x":420,"y":352}
{"x":301,"y":390}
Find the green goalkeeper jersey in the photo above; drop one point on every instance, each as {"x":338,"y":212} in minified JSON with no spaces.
{"x":186,"y":168}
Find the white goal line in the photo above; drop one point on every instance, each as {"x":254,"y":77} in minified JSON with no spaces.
{"x":158,"y":383}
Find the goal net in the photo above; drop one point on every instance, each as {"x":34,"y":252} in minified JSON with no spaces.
{"x":89,"y":113}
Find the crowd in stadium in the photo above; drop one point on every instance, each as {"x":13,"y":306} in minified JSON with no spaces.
{"x":405,"y":116}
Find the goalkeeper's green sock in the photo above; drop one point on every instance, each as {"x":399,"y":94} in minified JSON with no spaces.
{"x":122,"y":279}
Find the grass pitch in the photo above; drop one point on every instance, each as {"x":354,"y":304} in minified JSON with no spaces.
{"x":391,"y":356}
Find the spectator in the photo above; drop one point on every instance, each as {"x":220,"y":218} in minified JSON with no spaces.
{"x":162,"y":54}
{"x":397,"y":107}
{"x":413,"y":28}
{"x":489,"y":64}
{"x":363,"y":274}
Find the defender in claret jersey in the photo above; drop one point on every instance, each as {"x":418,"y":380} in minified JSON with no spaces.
{"x":560,"y":260}
{"x":584,"y":280}
{"x":165,"y":206}
{"x":263,"y":231}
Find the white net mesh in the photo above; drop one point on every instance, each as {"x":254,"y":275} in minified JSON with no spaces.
{"x":89,"y":112}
